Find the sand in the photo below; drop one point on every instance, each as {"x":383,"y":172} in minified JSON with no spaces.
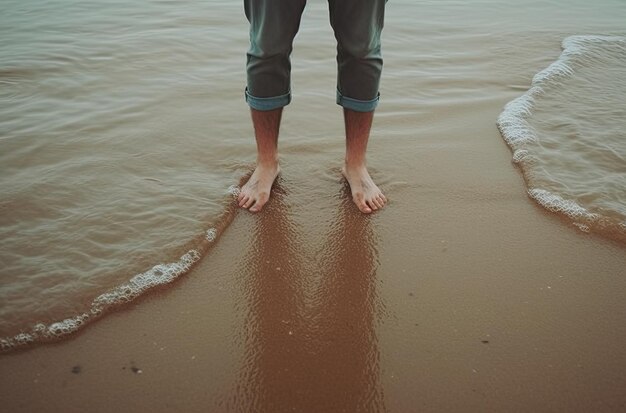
{"x":462,"y":295}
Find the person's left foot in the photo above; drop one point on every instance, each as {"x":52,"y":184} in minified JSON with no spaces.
{"x":365,"y":194}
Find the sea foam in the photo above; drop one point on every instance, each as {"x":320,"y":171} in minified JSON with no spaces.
{"x":158,"y":275}
{"x":562,"y":147}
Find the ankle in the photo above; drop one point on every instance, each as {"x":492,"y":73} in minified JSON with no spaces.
{"x":267,"y":162}
{"x":351,"y":163}
{"x":268,"y":166}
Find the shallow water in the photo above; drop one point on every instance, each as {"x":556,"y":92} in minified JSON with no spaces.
{"x":567,"y":133}
{"x":122,"y":127}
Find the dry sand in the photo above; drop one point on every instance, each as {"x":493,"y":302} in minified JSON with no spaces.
{"x":462,"y":295}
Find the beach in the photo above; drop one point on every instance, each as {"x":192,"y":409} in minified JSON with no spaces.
{"x":462,"y":294}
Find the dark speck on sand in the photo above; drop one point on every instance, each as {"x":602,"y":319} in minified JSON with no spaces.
{"x":76,"y":369}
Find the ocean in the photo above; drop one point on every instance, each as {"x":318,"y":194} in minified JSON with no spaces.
{"x":123,"y":129}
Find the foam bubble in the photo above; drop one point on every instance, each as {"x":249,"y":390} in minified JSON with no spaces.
{"x":524,"y":141}
{"x":556,"y":203}
{"x":582,"y":227}
{"x":158,"y":275}
{"x":211,"y":234}
{"x":522,"y":155}
{"x":556,"y":70}
{"x":512,"y":121}
{"x":234,"y":190}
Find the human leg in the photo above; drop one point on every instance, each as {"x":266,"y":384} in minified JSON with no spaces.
{"x":358,"y":25}
{"x":365,"y":194}
{"x":273,"y":26}
{"x":256,"y":192}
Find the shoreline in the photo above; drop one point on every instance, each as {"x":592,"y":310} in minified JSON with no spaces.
{"x":471,"y":290}
{"x":462,"y":295}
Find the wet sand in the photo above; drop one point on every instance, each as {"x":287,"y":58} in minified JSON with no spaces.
{"x":462,"y":295}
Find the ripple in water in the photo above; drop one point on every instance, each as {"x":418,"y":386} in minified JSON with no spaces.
{"x":568,"y":134}
{"x":112,"y":162}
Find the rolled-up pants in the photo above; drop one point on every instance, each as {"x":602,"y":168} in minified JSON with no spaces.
{"x":273,"y":25}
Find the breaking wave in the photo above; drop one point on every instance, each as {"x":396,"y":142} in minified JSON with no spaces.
{"x":158,"y":275}
{"x":568,"y":134}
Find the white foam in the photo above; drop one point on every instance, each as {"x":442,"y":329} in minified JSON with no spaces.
{"x":512,"y":121}
{"x":211,"y":234}
{"x":582,"y":227}
{"x":556,"y":70}
{"x":555,"y":203}
{"x":158,"y":275}
{"x":520,"y":135}
{"x":522,"y":155}
{"x":234,"y":190}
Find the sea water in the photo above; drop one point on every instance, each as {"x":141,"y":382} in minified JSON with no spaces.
{"x":123,"y":128}
{"x":111,"y":167}
{"x":568,"y":134}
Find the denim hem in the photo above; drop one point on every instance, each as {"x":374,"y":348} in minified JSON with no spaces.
{"x":357,"y":105}
{"x":270,"y":103}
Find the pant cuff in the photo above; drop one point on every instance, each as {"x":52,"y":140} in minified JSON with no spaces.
{"x":357,"y":105}
{"x":270,"y":103}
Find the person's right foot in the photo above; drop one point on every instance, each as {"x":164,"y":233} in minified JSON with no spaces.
{"x":256,"y":192}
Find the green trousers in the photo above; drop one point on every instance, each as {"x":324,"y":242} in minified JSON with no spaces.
{"x":273,"y":25}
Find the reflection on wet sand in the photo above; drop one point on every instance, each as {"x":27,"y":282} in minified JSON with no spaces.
{"x":318,"y":357}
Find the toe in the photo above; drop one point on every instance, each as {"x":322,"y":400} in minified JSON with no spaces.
{"x":359,"y":201}
{"x":243,"y":200}
{"x":260,"y":202}
{"x":363,"y":207}
{"x":379,"y":202}
{"x":249,"y":202}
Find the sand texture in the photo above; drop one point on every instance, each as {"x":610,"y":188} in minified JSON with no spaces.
{"x":461,"y":295}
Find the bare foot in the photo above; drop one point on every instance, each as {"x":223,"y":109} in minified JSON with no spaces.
{"x":365,"y":194}
{"x":256,"y":192}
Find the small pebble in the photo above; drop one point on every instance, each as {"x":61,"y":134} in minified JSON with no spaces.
{"x":76,"y":369}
